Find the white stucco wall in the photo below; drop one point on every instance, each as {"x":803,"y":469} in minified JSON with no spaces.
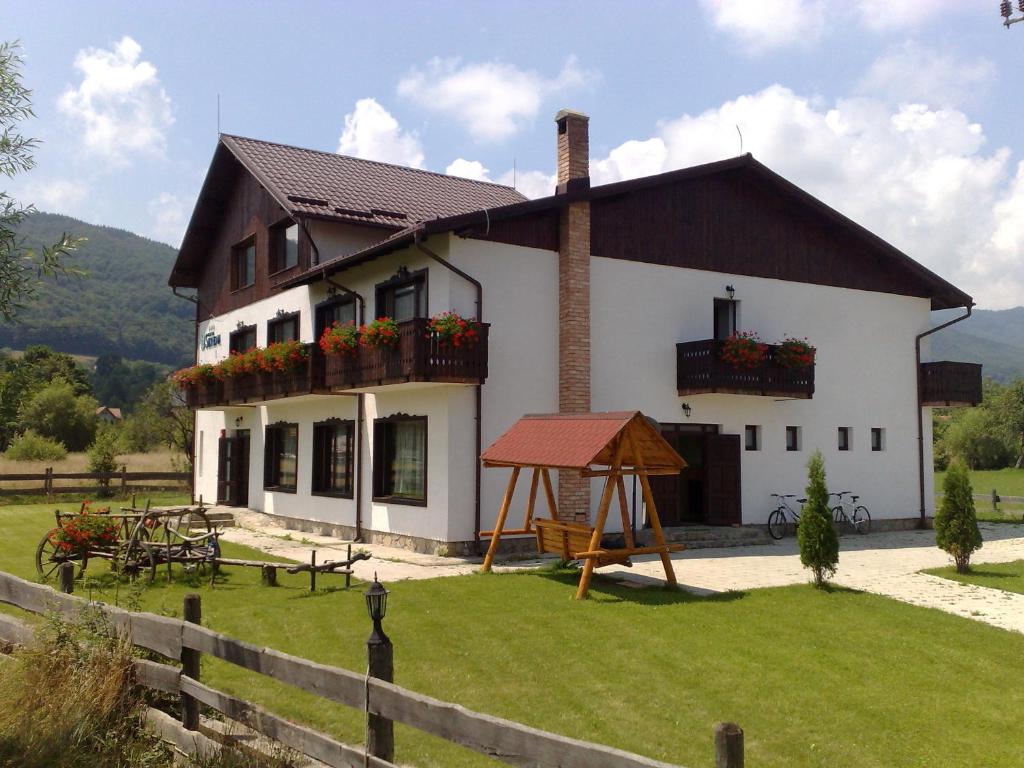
{"x":865,"y":375}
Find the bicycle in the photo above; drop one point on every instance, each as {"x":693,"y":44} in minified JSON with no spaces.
{"x":859,"y":519}
{"x":778,"y":524}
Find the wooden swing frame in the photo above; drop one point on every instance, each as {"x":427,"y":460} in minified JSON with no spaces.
{"x":623,"y":455}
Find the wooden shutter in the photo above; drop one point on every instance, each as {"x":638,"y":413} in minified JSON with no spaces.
{"x":722,"y":470}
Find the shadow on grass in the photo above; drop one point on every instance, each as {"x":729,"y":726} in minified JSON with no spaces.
{"x":608,"y":589}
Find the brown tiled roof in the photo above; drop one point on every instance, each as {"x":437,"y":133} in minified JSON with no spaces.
{"x":576,"y":441}
{"x":328,"y":185}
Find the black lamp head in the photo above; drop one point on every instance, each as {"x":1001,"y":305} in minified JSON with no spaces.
{"x":730,"y":290}
{"x":376,"y":600}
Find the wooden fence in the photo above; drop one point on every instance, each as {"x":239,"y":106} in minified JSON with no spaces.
{"x":122,"y":481}
{"x":382,"y":702}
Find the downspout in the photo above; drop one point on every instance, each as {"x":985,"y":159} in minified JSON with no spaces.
{"x":360,"y":397}
{"x":923,"y":522}
{"x":195,"y":361}
{"x":478,"y":405}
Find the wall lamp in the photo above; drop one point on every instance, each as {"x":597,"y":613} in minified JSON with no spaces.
{"x":731,"y":291}
{"x":240,"y":325}
{"x":687,"y":410}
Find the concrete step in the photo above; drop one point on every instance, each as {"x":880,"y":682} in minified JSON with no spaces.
{"x":710,"y":536}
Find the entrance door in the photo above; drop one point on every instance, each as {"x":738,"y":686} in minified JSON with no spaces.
{"x":233,"y":469}
{"x":681,"y":498}
{"x":723,"y":480}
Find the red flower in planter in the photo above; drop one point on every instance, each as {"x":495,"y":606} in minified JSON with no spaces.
{"x":744,"y":350}
{"x":381,"y":333}
{"x":195,"y":376}
{"x":340,"y":339}
{"x":795,"y":353}
{"x":453,"y":328}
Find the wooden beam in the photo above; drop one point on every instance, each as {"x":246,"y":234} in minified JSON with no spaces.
{"x":549,"y":492}
{"x":502,"y":514}
{"x":607,"y":472}
{"x":652,"y":510}
{"x":531,"y":502}
{"x":602,"y":517}
{"x":627,"y":529}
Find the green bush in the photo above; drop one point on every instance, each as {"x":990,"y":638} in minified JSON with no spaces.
{"x":103,"y":453}
{"x":956,"y":522}
{"x":29,"y":446}
{"x":819,"y":543}
{"x":56,"y":411}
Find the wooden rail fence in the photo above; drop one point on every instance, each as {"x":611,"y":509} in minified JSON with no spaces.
{"x":114,"y":480}
{"x":184,"y":642}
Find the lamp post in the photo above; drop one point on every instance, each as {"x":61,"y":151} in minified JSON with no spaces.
{"x":380,"y":735}
{"x":1005,"y":10}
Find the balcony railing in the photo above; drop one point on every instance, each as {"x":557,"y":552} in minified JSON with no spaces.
{"x":950,"y":384}
{"x":700,"y":368}
{"x":418,"y":356}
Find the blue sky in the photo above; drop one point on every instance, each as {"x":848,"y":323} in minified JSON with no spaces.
{"x":903,"y":114}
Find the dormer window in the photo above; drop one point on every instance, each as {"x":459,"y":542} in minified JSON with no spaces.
{"x":243,"y":264}
{"x":284,"y":246}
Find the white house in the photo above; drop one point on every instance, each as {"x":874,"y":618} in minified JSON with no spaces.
{"x":607,"y":298}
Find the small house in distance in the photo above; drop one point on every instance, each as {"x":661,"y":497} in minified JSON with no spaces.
{"x":109,"y":415}
{"x":632,"y":296}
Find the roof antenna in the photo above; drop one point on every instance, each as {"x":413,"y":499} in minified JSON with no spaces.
{"x":741,"y":138}
{"x":513,"y":171}
{"x":218,"y":114}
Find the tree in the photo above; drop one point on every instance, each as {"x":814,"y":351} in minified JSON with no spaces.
{"x":22,"y":377}
{"x":956,"y":523}
{"x":103,"y":453}
{"x":978,"y":437}
{"x":161,"y":416}
{"x":1009,"y":404}
{"x":819,"y":544}
{"x":57,"y":412}
{"x":21,"y":269}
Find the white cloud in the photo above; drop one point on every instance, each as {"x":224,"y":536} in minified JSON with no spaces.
{"x":58,"y":196}
{"x":761,"y":25}
{"x":468,"y":169}
{"x":169,"y":217}
{"x":533,"y":184}
{"x":493,"y":100}
{"x":372,"y":133}
{"x":911,"y":72}
{"x":119,"y":108}
{"x":893,"y":14}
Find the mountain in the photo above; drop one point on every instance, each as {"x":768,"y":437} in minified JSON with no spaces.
{"x":123,"y":307}
{"x":994,"y":338}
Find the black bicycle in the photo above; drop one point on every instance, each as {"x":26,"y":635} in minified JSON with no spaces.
{"x":858,"y":518}
{"x":783,"y":518}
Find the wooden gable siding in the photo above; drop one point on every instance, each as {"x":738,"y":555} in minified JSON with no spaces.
{"x":248,"y":209}
{"x":534,"y":230}
{"x":733,"y":223}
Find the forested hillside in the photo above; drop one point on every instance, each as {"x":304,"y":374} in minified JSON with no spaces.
{"x":123,"y":307}
{"x":994,"y":338}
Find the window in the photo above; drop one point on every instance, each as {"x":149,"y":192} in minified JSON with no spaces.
{"x":242,"y":340}
{"x":243,"y":264}
{"x":332,"y":457}
{"x":400,"y":459}
{"x":752,"y":437}
{"x":340,"y":310}
{"x":844,"y":438}
{"x":404,"y":296}
{"x":284,"y":328}
{"x":877,"y":439}
{"x":725,"y":318}
{"x":792,"y":438}
{"x":280,"y":457}
{"x":284,"y":247}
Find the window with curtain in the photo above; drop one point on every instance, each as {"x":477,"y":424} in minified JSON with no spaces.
{"x":243,"y":264}
{"x":340,"y":310}
{"x":285,"y":328}
{"x":400,"y":459}
{"x":333,"y":457}
{"x":281,"y":457}
{"x":242,"y":340}
{"x":403,"y":297}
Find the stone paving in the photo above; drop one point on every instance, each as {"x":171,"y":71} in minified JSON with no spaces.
{"x":883,"y":563}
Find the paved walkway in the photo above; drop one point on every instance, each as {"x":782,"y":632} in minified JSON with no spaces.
{"x":883,"y":563}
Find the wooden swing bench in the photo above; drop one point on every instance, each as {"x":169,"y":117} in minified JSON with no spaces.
{"x":624,"y":442}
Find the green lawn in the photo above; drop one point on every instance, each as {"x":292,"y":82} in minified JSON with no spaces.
{"x":815,"y":678}
{"x":1008,"y":482}
{"x":1006,"y":576}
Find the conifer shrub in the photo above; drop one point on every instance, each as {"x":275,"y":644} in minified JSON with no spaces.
{"x":956,"y":522}
{"x":819,"y":543}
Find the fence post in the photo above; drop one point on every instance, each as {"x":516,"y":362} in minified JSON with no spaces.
{"x":380,"y":731}
{"x":728,"y":746}
{"x":312,"y":570}
{"x":124,"y":480}
{"x":67,"y":577}
{"x":48,"y":483}
{"x":192,"y":612}
{"x":270,"y":575}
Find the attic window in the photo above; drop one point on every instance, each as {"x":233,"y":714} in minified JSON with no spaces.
{"x":353,"y":212}
{"x":303,"y":200}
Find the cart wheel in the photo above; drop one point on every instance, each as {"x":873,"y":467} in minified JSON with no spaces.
{"x":135,"y":557}
{"x":50,"y":557}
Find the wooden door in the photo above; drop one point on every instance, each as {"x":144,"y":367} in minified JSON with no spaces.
{"x":722,"y":489}
{"x":240,"y":470}
{"x":233,"y":470}
{"x":223,"y":468}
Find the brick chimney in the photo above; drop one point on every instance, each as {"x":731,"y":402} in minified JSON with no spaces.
{"x":573,"y":295}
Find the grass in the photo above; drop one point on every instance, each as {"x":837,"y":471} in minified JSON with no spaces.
{"x":1005,"y":576}
{"x":816,"y":678}
{"x":154,"y":461}
{"x":1007,"y":482}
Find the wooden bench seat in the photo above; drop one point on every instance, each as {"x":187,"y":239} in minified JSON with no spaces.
{"x":571,"y":540}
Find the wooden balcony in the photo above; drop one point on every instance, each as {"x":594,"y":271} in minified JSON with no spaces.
{"x":947,"y":384}
{"x":700,"y":369}
{"x":418,"y":356}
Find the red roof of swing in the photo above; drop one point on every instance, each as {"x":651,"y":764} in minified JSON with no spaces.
{"x":576,"y":441}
